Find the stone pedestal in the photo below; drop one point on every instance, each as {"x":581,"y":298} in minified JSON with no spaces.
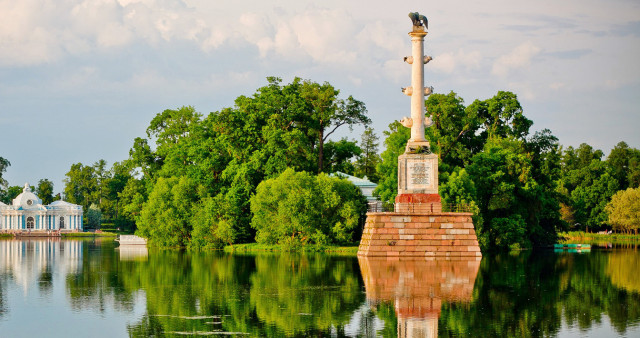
{"x":443,"y":235}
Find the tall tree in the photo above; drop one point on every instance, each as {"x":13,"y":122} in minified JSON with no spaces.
{"x":80,"y":185}
{"x":453,"y":134}
{"x":501,"y":116}
{"x":395,"y":142}
{"x":4,"y":164}
{"x":368,"y":161}
{"x":625,"y":162}
{"x":44,"y":190}
{"x":328,"y":113}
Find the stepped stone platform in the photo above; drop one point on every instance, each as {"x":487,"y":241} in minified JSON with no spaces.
{"x":449,"y":235}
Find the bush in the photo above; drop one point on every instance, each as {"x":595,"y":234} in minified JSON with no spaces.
{"x":297,"y":208}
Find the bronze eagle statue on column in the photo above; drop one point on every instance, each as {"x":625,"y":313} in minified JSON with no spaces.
{"x":419,"y":20}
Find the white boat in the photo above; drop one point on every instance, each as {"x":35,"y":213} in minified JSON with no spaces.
{"x":131,"y":240}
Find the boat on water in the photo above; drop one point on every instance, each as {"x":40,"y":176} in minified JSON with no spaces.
{"x":572,"y":247}
{"x":131,"y":240}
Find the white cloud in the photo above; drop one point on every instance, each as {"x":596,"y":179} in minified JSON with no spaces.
{"x":519,"y":57}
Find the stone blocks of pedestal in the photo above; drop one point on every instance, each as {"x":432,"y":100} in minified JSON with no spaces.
{"x":449,"y":235}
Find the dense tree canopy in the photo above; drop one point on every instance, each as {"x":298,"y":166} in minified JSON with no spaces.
{"x":299,"y":208}
{"x":220,"y":159}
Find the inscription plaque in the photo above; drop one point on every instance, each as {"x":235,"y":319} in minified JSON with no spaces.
{"x":418,"y":174}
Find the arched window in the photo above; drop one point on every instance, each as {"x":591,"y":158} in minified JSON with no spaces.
{"x":61,"y":222}
{"x":30,"y":222}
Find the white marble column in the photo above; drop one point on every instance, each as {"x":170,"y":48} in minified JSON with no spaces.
{"x":417,"y":86}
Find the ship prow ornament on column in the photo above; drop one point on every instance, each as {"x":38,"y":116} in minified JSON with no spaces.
{"x":418,"y":227}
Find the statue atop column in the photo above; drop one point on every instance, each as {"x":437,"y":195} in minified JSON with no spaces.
{"x":419,"y":21}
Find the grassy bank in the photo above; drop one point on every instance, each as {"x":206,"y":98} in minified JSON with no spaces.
{"x":588,"y":237}
{"x":88,"y":234}
{"x":255,"y":247}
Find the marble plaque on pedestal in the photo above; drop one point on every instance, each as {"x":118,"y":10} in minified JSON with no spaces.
{"x":417,"y":174}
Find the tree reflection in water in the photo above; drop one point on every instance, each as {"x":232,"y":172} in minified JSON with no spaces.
{"x":157,"y":293}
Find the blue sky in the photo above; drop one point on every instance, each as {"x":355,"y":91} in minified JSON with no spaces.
{"x":79,"y":80}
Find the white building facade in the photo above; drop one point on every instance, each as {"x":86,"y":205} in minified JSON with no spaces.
{"x":27,"y":213}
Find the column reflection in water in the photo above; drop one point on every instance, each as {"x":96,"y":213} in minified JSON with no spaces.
{"x":417,"y":288}
{"x":27,"y":260}
{"x":133,"y":253}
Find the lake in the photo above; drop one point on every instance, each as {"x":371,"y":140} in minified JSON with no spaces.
{"x":91,"y":288}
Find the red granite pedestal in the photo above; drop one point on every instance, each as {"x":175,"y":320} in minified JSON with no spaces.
{"x":419,"y":228}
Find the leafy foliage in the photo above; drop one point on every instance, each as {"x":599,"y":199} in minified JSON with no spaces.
{"x":624,"y":210}
{"x":44,"y":190}
{"x":298,"y":208}
{"x":222,"y":157}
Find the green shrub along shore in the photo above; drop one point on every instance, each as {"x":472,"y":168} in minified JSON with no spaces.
{"x":589,"y":237}
{"x":89,"y":234}
{"x":257,"y":247}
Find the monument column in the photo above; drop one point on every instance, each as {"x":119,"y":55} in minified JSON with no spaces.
{"x":418,"y":227}
{"x":417,"y":167}
{"x":417,"y":86}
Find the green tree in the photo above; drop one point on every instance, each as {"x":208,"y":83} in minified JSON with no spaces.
{"x":132,"y":198}
{"x":586,"y":185}
{"x":298,"y":208}
{"x":625,"y":162}
{"x":327,"y":113}
{"x":624,"y":210}
{"x":11,"y":193}
{"x":504,"y":185}
{"x":165,"y":218}
{"x":119,"y":176}
{"x":338,"y":155}
{"x":4,"y":164}
{"x":368,"y":161}
{"x":80,"y":185}
{"x":94,"y":216}
{"x":44,"y":190}
{"x":453,"y":135}
{"x":395,"y":142}
{"x":501,"y":116}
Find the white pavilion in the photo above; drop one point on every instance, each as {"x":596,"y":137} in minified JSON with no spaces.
{"x":27,"y":214}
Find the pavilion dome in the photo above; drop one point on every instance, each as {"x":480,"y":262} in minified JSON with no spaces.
{"x":26,"y":199}
{"x":60,"y":204}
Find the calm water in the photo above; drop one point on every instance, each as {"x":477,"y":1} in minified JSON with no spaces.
{"x":87,"y":288}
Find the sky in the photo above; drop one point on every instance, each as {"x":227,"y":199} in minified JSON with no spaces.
{"x":79,"y":80}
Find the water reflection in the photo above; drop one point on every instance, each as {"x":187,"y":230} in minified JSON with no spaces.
{"x":98,"y":290}
{"x":417,"y":288}
{"x":133,"y":252}
{"x":31,"y":262}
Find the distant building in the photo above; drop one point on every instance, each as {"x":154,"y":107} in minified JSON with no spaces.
{"x":366,"y":187}
{"x":27,"y":213}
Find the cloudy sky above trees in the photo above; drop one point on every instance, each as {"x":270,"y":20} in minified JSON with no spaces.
{"x":79,"y":80}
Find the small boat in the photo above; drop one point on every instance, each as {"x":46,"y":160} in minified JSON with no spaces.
{"x":572,"y":246}
{"x":131,"y":240}
{"x":576,"y":248}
